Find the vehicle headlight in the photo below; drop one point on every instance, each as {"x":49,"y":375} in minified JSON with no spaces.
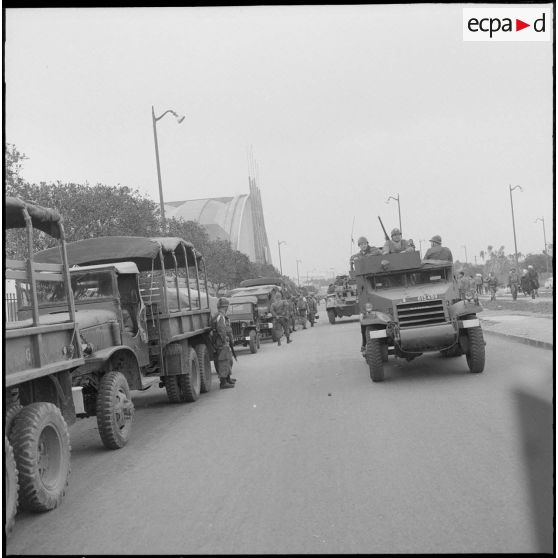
{"x":368,"y":307}
{"x":243,"y":324}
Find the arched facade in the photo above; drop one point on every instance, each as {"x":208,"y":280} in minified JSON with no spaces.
{"x":238,"y":219}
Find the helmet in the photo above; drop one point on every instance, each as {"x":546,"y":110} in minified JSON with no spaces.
{"x":222,"y":302}
{"x":362,"y":240}
{"x":437,"y":239}
{"x":395,"y":231}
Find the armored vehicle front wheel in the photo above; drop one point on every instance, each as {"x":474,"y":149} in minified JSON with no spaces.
{"x":331,"y":316}
{"x":252,"y":343}
{"x":205,"y":368}
{"x":115,"y":410}
{"x":10,"y":486}
{"x":41,"y":444}
{"x":475,"y":354}
{"x":375,"y":359}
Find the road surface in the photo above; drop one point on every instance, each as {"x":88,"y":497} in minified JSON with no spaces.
{"x":307,"y":455}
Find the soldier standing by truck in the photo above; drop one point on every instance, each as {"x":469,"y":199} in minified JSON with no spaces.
{"x":222,"y":336}
{"x":280,"y":311}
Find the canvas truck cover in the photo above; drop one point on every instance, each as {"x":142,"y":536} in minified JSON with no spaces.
{"x":42,"y":218}
{"x":143,"y":251}
{"x":262,"y":281}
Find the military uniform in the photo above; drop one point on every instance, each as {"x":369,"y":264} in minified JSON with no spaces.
{"x":223,"y":359}
{"x":280,"y":312}
{"x":366,"y":251}
{"x":438,"y":252}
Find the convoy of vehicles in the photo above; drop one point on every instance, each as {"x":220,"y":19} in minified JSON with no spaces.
{"x":409,"y":307}
{"x":245,"y":322}
{"x":341,"y":298}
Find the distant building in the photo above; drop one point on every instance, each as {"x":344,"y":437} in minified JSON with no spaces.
{"x":238,"y":219}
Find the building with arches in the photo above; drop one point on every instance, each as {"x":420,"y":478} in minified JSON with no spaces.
{"x":238,"y":219}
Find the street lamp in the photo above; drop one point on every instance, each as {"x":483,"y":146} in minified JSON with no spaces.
{"x":297,"y":275}
{"x":398,"y":208}
{"x":179,"y":119}
{"x":513,"y":222}
{"x":544,"y":234}
{"x":465,"y":248}
{"x":279,"y":242}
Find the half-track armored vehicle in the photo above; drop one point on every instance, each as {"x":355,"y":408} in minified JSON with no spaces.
{"x":143,"y":319}
{"x":264,"y":289}
{"x":411,"y":306}
{"x":245,"y":321}
{"x":40,"y":354}
{"x":341,"y":298}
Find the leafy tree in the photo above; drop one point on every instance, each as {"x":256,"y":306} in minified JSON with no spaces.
{"x":13,"y":162}
{"x":188,"y":230}
{"x":538,"y":261}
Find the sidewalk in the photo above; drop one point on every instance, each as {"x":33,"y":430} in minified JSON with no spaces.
{"x":523,"y":327}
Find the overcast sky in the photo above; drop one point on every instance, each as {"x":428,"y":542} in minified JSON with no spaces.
{"x":344,"y":106}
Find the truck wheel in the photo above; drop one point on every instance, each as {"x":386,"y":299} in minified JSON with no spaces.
{"x":115,"y":410}
{"x":10,"y":486}
{"x":252,"y":342}
{"x":41,"y":444}
{"x":185,"y":388}
{"x":205,"y":367}
{"x":11,"y":413}
{"x":375,"y":360}
{"x":258,"y":339}
{"x":274,"y":336}
{"x":331,"y":316}
{"x":385,"y":352}
{"x":475,"y":354}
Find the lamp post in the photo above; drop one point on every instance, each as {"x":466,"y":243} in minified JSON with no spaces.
{"x":179,"y":118}
{"x":465,"y":248}
{"x":544,"y":234}
{"x":398,"y":209}
{"x":297,"y":275}
{"x":513,"y":222}
{"x":279,"y":242}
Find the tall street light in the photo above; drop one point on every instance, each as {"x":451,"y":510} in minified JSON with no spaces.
{"x":279,"y":242}
{"x":513,"y":223}
{"x":465,"y":248}
{"x":544,"y":234}
{"x":398,"y":209}
{"x":179,"y":118}
{"x":297,"y":274}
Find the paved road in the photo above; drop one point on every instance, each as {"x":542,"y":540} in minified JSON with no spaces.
{"x":307,"y":455}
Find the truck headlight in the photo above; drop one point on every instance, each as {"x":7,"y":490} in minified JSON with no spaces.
{"x":243,"y":324}
{"x":368,"y":307}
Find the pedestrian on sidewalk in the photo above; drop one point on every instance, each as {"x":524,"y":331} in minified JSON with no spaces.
{"x":222,"y":339}
{"x":280,"y":312}
{"x":533,"y":281}
{"x":513,"y":282}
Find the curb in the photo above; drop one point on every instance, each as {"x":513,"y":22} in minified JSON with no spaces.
{"x":518,"y":339}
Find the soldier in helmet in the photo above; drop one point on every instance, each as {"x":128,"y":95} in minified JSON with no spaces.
{"x":398,"y":244}
{"x":222,"y":333}
{"x":280,"y":312}
{"x":365,"y":249}
{"x":437,"y":251}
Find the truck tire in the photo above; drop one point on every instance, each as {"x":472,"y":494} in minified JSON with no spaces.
{"x":11,"y":413}
{"x":258,"y":340}
{"x":331,"y":316}
{"x":205,"y":367}
{"x":115,"y":410}
{"x":375,"y":359}
{"x":185,"y":388}
{"x":475,"y":354}
{"x":252,"y":342}
{"x":41,"y":444}
{"x":10,"y":486}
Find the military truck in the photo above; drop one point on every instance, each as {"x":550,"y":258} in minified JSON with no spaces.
{"x":40,"y":354}
{"x":245,"y":322}
{"x":143,"y":320}
{"x":341,"y":298}
{"x":411,"y":306}
{"x":264,"y":289}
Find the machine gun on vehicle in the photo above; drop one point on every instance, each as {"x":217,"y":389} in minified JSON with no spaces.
{"x":383,"y":228}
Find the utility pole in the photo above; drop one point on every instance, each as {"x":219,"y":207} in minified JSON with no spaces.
{"x":279,"y":242}
{"x":297,"y":274}
{"x":544,"y":234}
{"x":513,"y":223}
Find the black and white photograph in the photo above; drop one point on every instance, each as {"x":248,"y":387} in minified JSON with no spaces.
{"x":279,"y":279}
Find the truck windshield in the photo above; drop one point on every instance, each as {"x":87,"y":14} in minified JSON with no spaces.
{"x":244,"y":308}
{"x":92,"y":285}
